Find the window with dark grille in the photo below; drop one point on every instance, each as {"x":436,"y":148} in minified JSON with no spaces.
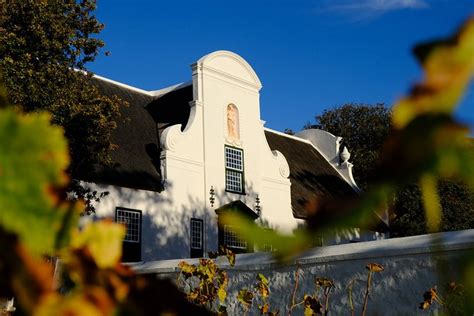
{"x":234,"y":169}
{"x":267,"y":247}
{"x":132,"y":242}
{"x":132,"y":220}
{"x":196,"y":233}
{"x":233,"y":239}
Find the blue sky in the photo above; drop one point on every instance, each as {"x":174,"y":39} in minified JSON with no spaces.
{"x":309,"y":55}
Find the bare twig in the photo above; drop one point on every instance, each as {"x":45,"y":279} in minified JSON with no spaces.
{"x":293,"y":298}
{"x":351,"y":303}
{"x":367,"y":292}
{"x":326,"y":304}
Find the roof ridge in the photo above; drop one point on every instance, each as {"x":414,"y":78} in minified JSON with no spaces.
{"x":288,"y":136}
{"x":161,"y":92}
{"x":123,"y":85}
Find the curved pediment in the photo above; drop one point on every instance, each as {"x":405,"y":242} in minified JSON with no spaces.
{"x":232,"y":65}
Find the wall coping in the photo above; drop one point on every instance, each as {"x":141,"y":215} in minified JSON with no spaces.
{"x":394,"y":247}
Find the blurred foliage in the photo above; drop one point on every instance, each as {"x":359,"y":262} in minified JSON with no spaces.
{"x":37,"y":219}
{"x":44,"y":47}
{"x":364,"y":129}
{"x":32,"y":163}
{"x":425,"y":144}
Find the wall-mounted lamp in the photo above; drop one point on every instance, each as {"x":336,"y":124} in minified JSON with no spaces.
{"x":212,"y":193}
{"x":257,"y":206}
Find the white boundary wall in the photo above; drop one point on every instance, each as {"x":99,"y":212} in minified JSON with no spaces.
{"x":412,"y":266}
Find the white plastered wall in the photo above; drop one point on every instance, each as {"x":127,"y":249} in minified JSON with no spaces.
{"x":192,"y":160}
{"x":222,"y":78}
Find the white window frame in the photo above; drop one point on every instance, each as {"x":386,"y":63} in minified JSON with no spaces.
{"x":234,"y":169}
{"x":233,"y":239}
{"x":132,"y":221}
{"x":197,"y":233}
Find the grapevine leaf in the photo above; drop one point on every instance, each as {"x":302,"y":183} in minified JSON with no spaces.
{"x":103,"y":240}
{"x":222,"y":294}
{"x":32,"y":163}
{"x":245,"y":297}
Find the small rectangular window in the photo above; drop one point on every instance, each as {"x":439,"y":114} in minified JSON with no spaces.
{"x":233,"y":239}
{"x":132,"y":221}
{"x":196,"y":233}
{"x":234,"y":169}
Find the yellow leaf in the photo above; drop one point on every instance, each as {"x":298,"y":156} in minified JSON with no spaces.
{"x":431,"y":202}
{"x":103,"y":240}
{"x":74,"y":305}
{"x":375,"y":267}
{"x":448,"y":66}
{"x":222,"y":294}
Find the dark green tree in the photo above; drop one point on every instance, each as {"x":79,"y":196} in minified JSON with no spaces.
{"x":457,"y":202}
{"x":44,"y":49}
{"x":364,"y":128}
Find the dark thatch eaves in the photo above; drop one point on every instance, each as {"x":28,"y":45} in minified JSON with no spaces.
{"x":136,"y":160}
{"x":311,"y":175}
{"x":172,"y":108}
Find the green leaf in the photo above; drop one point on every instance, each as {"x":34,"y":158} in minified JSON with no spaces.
{"x":285,"y":245}
{"x":32,"y":163}
{"x":262,"y":278}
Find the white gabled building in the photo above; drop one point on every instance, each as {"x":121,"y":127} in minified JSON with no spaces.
{"x":191,"y":151}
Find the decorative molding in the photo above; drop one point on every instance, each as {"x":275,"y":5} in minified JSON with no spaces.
{"x":170,"y":137}
{"x":233,"y":142}
{"x":172,"y":157}
{"x":195,"y":103}
{"x":285,"y":182}
{"x":345,"y":155}
{"x":236,"y":142}
{"x":221,"y":75}
{"x":207,"y":59}
{"x":283,"y":166}
{"x":336,"y":162}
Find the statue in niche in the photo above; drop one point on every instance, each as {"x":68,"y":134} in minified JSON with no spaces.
{"x":233,"y":122}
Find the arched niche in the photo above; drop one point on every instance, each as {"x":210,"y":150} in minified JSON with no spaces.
{"x":233,"y":124}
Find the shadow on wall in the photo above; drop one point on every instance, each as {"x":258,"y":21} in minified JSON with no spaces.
{"x":166,"y":233}
{"x":166,"y":230}
{"x":166,"y":223}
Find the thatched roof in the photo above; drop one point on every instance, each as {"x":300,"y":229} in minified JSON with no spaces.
{"x":312,"y":176}
{"x":136,"y":161}
{"x":172,"y":108}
